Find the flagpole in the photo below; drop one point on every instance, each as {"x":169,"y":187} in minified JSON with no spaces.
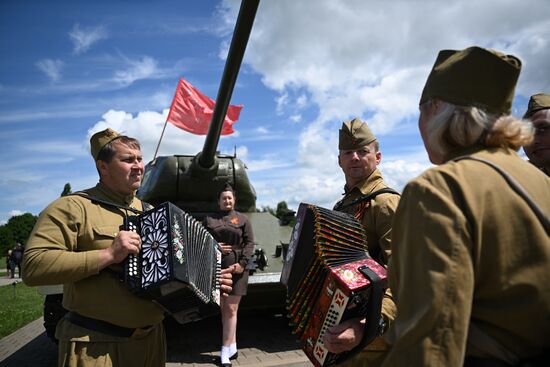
{"x":161,"y":135}
{"x":168,"y":117}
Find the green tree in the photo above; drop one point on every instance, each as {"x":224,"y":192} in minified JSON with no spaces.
{"x":17,"y":229}
{"x":21,"y":226}
{"x":66,"y":189}
{"x":7,"y":240}
{"x":285,"y":215}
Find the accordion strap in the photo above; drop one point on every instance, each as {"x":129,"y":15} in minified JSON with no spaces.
{"x":373,"y":311}
{"x":146,"y":206}
{"x":370,"y":196}
{"x":110,"y":203}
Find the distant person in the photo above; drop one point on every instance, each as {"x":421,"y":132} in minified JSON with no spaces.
{"x":78,"y":237}
{"x":369,"y":199}
{"x":233,"y":232}
{"x":16,"y":259}
{"x":538,"y":111}
{"x":470,"y":269}
{"x":9,"y":264}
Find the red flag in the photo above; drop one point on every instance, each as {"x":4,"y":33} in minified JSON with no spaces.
{"x":192,"y":111}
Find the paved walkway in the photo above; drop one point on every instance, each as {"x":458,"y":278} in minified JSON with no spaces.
{"x":264,"y":341}
{"x":7,"y":281}
{"x":29,"y":346}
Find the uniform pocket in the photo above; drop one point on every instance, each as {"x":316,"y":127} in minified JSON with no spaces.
{"x":103,"y":237}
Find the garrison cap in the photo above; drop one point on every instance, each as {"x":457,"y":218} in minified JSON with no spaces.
{"x":354,"y":134}
{"x":474,"y":77}
{"x":537,"y":102}
{"x":100,"y":139}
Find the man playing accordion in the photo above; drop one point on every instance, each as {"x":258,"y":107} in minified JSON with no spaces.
{"x":370,"y":200}
{"x":75,"y":240}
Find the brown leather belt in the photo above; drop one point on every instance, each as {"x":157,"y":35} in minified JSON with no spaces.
{"x":106,"y":327}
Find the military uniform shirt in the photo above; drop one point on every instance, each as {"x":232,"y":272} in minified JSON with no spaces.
{"x":468,"y":249}
{"x":377,"y":219}
{"x":377,"y":222}
{"x":63,"y":248}
{"x":233,"y":228}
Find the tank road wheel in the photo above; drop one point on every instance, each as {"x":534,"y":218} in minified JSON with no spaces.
{"x":53,"y":312}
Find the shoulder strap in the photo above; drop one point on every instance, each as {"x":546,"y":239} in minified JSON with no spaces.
{"x":366,"y":197}
{"x":146,"y":206}
{"x":517,"y":188}
{"x":106,"y":202}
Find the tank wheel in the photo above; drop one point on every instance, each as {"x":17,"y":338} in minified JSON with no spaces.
{"x":53,"y":312}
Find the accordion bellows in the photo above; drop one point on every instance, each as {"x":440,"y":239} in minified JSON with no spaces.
{"x":179,"y":262}
{"x":330,"y":277}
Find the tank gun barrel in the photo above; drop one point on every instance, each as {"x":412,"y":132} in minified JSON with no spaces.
{"x":243,"y":27}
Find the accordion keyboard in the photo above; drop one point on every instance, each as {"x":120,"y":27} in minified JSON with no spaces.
{"x":132,"y":259}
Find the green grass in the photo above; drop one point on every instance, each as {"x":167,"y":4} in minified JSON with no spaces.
{"x":17,"y":312}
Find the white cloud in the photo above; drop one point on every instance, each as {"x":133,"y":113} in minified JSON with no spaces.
{"x":52,"y":68}
{"x":15,"y":212}
{"x":301,"y":102}
{"x":83,"y":39}
{"x":295,"y":118}
{"x":242,"y":152}
{"x":147,"y":128}
{"x":370,"y":59}
{"x":144,"y":68}
{"x":282,"y":101}
{"x":11,"y":213}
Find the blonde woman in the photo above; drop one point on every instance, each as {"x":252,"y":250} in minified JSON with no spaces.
{"x":471,"y":256}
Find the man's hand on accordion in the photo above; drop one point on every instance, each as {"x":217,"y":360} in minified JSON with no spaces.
{"x":344,"y":336}
{"x":125,"y":243}
{"x":226,"y":281}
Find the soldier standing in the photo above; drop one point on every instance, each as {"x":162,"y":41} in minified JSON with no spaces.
{"x":369,"y":199}
{"x":75,"y":240}
{"x":471,"y":272}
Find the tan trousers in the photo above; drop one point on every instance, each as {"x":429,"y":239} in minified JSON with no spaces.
{"x":81,"y":350}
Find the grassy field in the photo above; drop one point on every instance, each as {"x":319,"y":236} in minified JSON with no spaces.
{"x":3,"y":266}
{"x":15,"y":312}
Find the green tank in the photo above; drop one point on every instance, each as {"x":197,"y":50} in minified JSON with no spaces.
{"x":182,"y":180}
{"x":192,"y":182}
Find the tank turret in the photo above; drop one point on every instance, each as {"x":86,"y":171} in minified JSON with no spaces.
{"x":192,"y":182}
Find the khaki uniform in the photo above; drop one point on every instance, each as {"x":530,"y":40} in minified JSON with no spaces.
{"x":376,"y":217}
{"x":64,"y":248}
{"x":468,"y":249}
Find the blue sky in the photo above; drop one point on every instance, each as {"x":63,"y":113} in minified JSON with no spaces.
{"x":71,"y":68}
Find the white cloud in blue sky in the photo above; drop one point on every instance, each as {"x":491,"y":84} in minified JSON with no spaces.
{"x":52,"y":68}
{"x":143,"y":68}
{"x":84,"y":38}
{"x":309,"y":65}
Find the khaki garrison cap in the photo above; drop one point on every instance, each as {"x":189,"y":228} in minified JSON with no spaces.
{"x":474,"y":77}
{"x":354,"y":134}
{"x":100,"y":139}
{"x":537,"y":102}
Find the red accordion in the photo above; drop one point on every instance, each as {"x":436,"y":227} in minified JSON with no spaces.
{"x":330,"y":277}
